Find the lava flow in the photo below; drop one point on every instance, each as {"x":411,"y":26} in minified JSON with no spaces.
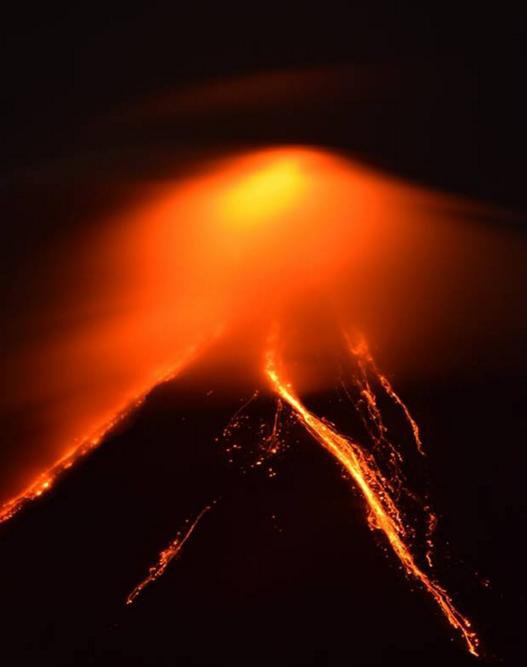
{"x":47,"y":479}
{"x":167,"y":555}
{"x":275,"y":235}
{"x":366,"y":365}
{"x":383,"y":512}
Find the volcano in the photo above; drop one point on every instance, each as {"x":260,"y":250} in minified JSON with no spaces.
{"x":263,"y":342}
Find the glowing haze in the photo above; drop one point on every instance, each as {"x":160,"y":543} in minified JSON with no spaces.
{"x":293,"y":235}
{"x":239,"y":241}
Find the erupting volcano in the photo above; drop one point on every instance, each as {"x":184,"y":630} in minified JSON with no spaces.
{"x":293,"y":251}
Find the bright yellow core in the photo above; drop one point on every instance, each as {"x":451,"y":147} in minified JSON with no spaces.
{"x":265,"y":191}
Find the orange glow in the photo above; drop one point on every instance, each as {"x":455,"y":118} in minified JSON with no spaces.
{"x":281,"y":234}
{"x":134,"y":292}
{"x":275,"y":188}
{"x":383,"y":512}
{"x":235,"y":243}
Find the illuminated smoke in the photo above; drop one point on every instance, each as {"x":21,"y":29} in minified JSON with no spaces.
{"x":246,"y":240}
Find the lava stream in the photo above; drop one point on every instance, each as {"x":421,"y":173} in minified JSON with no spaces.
{"x":367,"y":366}
{"x":167,"y":555}
{"x":47,"y":479}
{"x":383,"y":513}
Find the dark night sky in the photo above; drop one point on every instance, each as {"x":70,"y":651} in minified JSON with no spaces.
{"x":444,"y":107}
{"x":456,"y":92}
